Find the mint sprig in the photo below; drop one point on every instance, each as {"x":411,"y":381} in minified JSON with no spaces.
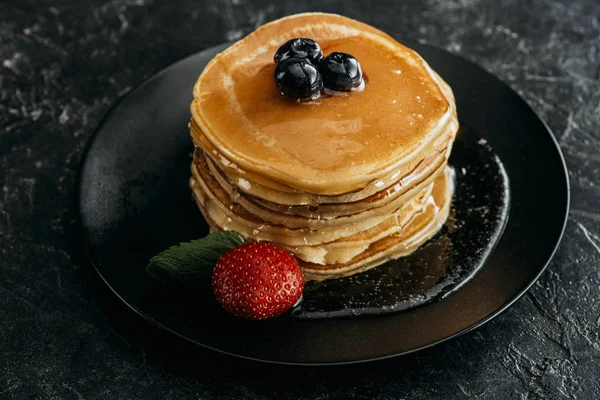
{"x":192,"y":263}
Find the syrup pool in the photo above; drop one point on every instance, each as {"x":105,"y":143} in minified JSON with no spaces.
{"x":442,"y":265}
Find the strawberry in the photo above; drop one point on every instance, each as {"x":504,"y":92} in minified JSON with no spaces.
{"x":257,"y":281}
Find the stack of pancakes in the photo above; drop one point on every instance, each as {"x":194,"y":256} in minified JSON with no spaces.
{"x":344,"y":182}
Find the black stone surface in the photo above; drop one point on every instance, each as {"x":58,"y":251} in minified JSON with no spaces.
{"x":62,"y":336}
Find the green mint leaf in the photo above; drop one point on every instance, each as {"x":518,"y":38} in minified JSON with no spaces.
{"x":192,"y":263}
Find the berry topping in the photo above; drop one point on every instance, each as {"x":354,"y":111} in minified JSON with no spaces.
{"x":298,"y":78}
{"x":340,"y":71}
{"x":302,"y":48}
{"x":257,"y":281}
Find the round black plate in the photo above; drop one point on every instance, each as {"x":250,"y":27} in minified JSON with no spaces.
{"x":134,"y":201}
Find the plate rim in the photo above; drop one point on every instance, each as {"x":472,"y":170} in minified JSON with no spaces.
{"x":83,"y":237}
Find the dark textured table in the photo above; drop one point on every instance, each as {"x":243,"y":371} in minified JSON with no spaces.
{"x":63,"y":336}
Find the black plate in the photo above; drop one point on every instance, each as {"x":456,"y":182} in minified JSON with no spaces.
{"x":134,"y":201}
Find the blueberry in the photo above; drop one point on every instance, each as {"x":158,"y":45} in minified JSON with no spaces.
{"x":300,"y":47}
{"x":298,"y":78}
{"x":340,"y":71}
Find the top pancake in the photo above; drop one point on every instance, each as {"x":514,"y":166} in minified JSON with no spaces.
{"x":332,"y":145}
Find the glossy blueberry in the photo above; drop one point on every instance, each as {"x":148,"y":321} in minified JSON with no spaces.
{"x":298,"y":78}
{"x":302,"y":48}
{"x":340,"y":71}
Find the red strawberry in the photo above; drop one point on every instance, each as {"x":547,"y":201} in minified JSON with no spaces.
{"x":257,"y":281}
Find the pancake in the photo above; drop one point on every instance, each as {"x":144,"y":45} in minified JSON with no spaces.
{"x":328,"y":146}
{"x":344,"y":181}
{"x":290,"y":230}
{"x":276,"y":192}
{"x":227,"y":200}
